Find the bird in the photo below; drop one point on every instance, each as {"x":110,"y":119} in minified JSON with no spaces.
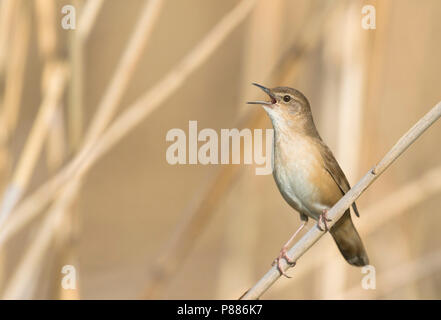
{"x":307,"y":174}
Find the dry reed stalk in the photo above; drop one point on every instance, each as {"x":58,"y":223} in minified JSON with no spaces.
{"x":7,"y":8}
{"x":56,"y":142}
{"x":46,"y":18}
{"x":120,"y":80}
{"x":308,"y":240}
{"x":351,"y":93}
{"x":66,"y":237}
{"x":327,"y":286}
{"x":17,"y":37}
{"x":113,"y":93}
{"x":124,"y":70}
{"x":155,"y":96}
{"x":64,"y":252}
{"x":258,"y":59}
{"x":75,"y":104}
{"x":89,"y":13}
{"x":65,"y":249}
{"x":46,"y":21}
{"x":31,"y":206}
{"x":257,"y":63}
{"x":15,"y":71}
{"x":28,"y":267}
{"x":56,"y":75}
{"x":353,"y":61}
{"x":107,"y":106}
{"x":47,"y":47}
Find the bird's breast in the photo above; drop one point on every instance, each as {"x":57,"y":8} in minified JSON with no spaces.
{"x":301,"y":176}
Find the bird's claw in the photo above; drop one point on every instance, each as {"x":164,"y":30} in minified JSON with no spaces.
{"x":283,"y":255}
{"x":323,"y":218}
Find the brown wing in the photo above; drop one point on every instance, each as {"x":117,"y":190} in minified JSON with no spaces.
{"x":336,"y":172}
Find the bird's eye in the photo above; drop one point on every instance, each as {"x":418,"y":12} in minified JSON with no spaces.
{"x":286,"y":98}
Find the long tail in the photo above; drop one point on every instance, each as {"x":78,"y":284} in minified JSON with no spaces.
{"x":349,"y":242}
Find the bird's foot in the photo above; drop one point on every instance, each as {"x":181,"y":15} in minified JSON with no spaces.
{"x":283,"y":255}
{"x":323,"y":218}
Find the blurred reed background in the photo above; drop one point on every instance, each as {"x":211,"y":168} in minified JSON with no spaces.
{"x":83,"y":119}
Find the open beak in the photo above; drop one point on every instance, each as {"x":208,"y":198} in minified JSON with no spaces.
{"x":268,"y":92}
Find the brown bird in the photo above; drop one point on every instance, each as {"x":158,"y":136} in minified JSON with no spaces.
{"x":306,"y":172}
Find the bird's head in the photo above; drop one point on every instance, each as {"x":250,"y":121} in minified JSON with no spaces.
{"x":286,"y":107}
{"x":283,"y":99}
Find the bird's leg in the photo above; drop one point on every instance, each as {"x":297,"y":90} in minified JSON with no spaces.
{"x":323,"y":218}
{"x":283,"y":255}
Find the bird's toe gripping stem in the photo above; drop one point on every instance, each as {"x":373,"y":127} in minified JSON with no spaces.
{"x":283,"y":255}
{"x":323,"y":219}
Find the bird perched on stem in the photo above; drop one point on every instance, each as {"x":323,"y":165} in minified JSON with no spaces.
{"x":306,"y":172}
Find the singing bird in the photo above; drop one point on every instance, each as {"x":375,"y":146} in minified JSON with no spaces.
{"x":306,"y":172}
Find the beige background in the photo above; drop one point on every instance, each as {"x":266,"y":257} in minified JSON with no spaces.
{"x":132,"y":201}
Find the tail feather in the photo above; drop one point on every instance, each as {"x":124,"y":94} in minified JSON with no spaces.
{"x":349,"y":242}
